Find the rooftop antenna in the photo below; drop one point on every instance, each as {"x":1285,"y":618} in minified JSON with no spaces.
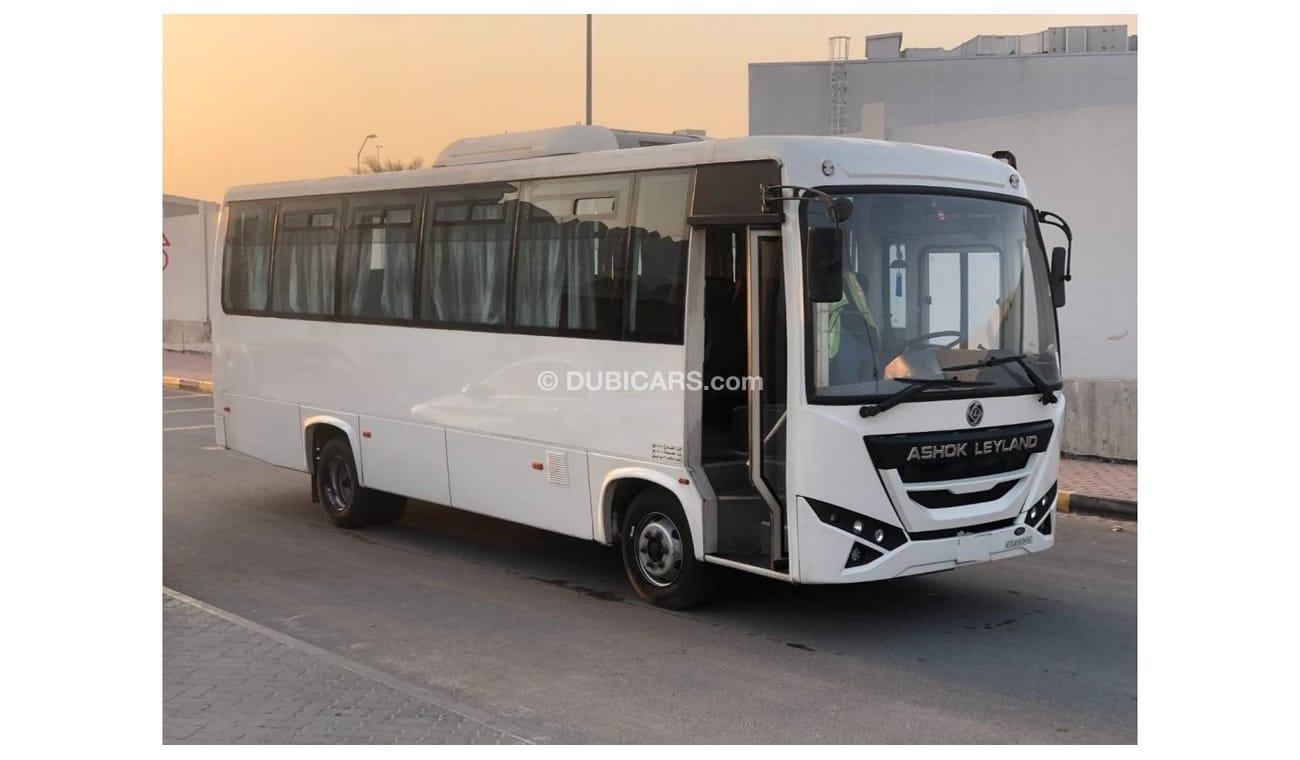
{"x":839,"y":85}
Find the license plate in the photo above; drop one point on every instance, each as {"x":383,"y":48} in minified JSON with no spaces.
{"x":1013,"y":543}
{"x":974,"y":548}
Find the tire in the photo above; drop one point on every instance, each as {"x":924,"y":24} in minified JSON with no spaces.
{"x":346,"y":503}
{"x":659,"y":553}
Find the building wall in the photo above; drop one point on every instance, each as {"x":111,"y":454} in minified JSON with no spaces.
{"x":1080,"y":163}
{"x":794,"y":98}
{"x":189,"y":229}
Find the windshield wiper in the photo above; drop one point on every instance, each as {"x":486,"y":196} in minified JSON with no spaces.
{"x":1048,"y":397}
{"x":915,"y":387}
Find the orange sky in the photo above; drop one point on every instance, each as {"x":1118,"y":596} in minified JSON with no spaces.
{"x":262,"y":98}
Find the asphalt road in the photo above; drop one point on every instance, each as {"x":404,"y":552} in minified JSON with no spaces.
{"x":544,"y":631}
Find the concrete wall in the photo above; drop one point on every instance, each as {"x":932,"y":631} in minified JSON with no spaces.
{"x":189,"y":230}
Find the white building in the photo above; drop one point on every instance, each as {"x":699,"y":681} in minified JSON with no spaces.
{"x":1064,"y":101}
{"x":188,"y":236}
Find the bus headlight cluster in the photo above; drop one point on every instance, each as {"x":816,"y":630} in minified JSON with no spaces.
{"x":1039,"y":510}
{"x":882,"y":534}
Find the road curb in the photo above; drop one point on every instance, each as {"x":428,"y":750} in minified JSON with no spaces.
{"x":186,"y":384}
{"x":1069,"y":501}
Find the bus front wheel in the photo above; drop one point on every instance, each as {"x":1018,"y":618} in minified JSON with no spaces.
{"x":659,"y":554}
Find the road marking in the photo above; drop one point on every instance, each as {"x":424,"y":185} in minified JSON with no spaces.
{"x":188,"y":395}
{"x":365,"y":671}
{"x":190,"y":427}
{"x":180,"y":411}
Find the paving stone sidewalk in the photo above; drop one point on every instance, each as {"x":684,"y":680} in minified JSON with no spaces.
{"x":227,"y":683}
{"x":1102,"y":480}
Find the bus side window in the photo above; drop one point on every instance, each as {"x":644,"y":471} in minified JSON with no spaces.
{"x":247,"y":257}
{"x":467,"y":256}
{"x":304,"y":258}
{"x":377,"y":271}
{"x":572,"y":240}
{"x":656,"y":294}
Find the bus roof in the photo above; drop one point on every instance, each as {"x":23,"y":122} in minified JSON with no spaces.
{"x":853,"y":161}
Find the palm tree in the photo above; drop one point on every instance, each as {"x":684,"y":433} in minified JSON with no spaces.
{"x":373,"y":165}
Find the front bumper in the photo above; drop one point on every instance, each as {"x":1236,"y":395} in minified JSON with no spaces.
{"x":827,"y":553}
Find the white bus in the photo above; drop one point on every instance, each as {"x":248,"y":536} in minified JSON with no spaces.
{"x":822,"y":360}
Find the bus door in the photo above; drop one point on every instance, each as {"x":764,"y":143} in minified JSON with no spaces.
{"x":743,"y":425}
{"x":767,"y":391}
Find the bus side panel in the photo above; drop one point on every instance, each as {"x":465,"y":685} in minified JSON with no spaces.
{"x":264,"y":429}
{"x":405,"y":458}
{"x":529,"y":483}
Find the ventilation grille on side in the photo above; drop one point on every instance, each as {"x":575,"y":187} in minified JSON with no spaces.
{"x":557,"y":468}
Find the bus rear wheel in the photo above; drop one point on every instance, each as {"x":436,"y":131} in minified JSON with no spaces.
{"x":346,"y":503}
{"x":659,"y":553}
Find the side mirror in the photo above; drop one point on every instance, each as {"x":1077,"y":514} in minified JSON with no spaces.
{"x":841,"y":209}
{"x":1058,"y":276}
{"x":825,"y":265}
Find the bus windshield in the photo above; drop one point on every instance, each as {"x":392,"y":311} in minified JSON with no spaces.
{"x":932,"y":282}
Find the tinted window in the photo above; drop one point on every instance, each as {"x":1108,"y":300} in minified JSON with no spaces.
{"x":467,"y":255}
{"x":377,"y":271}
{"x":656,"y":295}
{"x":306,"y":250}
{"x":247,"y":256}
{"x":732,"y":190}
{"x":572,"y":243}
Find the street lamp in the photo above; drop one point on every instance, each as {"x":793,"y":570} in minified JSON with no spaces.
{"x":378,"y":148}
{"x":363,"y":147}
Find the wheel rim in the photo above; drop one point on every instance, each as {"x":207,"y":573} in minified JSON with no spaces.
{"x":659,"y":550}
{"x":338,"y":485}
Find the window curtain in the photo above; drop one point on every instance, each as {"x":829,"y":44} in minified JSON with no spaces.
{"x":466,"y":272}
{"x":304,"y":271}
{"x":561,"y":269}
{"x":248,"y":259}
{"x":378,"y":272}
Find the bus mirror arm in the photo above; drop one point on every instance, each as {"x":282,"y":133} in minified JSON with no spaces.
{"x":1061,"y":257}
{"x":837,"y":209}
{"x":824,"y":257}
{"x":1048,"y":217}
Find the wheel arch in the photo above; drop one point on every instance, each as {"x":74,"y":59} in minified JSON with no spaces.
{"x":623,"y":484}
{"x":318,"y":429}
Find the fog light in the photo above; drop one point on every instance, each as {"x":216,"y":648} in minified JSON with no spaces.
{"x":860,"y":555}
{"x":857,"y":526}
{"x":1033,"y":514}
{"x":880,"y":536}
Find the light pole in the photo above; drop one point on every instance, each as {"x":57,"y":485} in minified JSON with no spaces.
{"x":378,"y":148}
{"x":588,"y":69}
{"x":363,"y":147}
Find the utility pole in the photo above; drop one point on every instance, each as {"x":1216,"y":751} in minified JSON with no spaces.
{"x":588,"y":69}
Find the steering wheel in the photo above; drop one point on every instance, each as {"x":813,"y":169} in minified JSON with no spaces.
{"x":955,"y":334}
